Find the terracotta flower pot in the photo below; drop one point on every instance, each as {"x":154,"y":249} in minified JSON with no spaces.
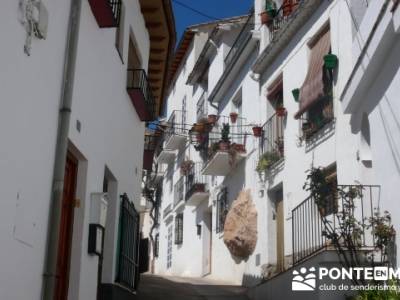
{"x":266,"y":18}
{"x":257,"y":131}
{"x":224,"y":146}
{"x":281,"y":112}
{"x":212,"y":119}
{"x":233,"y":116}
{"x":239,"y":148}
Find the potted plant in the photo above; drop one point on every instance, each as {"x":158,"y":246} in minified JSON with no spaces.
{"x":269,"y":13}
{"x":233,"y":116}
{"x":212,"y":119}
{"x":281,"y":111}
{"x":186,"y":166}
{"x":214,"y":147}
{"x":296,"y":94}
{"x":201,"y":126}
{"x":330,"y":61}
{"x":289,"y":6}
{"x":257,"y":131}
{"x":267,"y":160}
{"x":225,"y":141}
{"x":238,"y":147}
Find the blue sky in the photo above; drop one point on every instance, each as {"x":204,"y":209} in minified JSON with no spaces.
{"x":214,"y":8}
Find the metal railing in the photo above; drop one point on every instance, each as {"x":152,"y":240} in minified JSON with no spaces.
{"x":195,"y":181}
{"x":128,"y":255}
{"x":283,"y":17}
{"x":179,"y":191}
{"x":201,"y":107}
{"x":116,"y":10}
{"x":273,"y":135}
{"x":176,"y":124}
{"x":241,"y":40}
{"x":237,"y":135}
{"x":151,"y":142}
{"x":137,"y":80}
{"x":309,"y":219}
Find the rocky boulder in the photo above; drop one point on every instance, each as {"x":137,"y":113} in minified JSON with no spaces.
{"x":240,"y":230}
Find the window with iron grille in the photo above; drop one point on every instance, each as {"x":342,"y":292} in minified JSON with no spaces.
{"x":179,"y":229}
{"x":222,"y":209}
{"x":169,"y":248}
{"x":178,"y":191}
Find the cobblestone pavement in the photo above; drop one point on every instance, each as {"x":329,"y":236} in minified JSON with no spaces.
{"x":175,"y":288}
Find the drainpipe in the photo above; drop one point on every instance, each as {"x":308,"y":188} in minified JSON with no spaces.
{"x":50,"y":260}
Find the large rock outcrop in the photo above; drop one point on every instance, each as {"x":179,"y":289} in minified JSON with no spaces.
{"x":240,"y":230}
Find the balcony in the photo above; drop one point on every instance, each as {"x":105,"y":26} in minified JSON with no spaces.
{"x":166,"y":156}
{"x":106,"y":12}
{"x":139,"y":91}
{"x":196,"y":186}
{"x":226,"y":146}
{"x":151,"y":147}
{"x":179,"y":188}
{"x":175,"y":134}
{"x":310,"y":221}
{"x":283,"y":16}
{"x":271,"y":143}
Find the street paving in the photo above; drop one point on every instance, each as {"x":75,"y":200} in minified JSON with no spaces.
{"x":177,"y":288}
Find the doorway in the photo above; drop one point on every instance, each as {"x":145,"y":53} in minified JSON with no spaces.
{"x":66,"y":228}
{"x":280,"y":233}
{"x":207,"y":243}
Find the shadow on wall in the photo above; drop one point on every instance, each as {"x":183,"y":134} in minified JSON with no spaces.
{"x":249,"y":280}
{"x":236,"y":181}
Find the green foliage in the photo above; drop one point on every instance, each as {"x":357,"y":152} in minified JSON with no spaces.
{"x":267,"y":160}
{"x":390,"y":294}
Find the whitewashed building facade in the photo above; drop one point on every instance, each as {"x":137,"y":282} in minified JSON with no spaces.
{"x":266,"y":72}
{"x":79,"y":80}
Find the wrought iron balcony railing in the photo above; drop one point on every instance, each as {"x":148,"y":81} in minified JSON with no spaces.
{"x":141,"y":95}
{"x":285,"y":13}
{"x":310,"y":220}
{"x":106,"y":12}
{"x":176,"y":125}
{"x":195,"y":181}
{"x":273,"y":136}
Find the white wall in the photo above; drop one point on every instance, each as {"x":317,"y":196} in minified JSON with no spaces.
{"x":30,"y":96}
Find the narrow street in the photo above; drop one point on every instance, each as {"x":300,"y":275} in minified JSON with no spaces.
{"x":178,"y":288}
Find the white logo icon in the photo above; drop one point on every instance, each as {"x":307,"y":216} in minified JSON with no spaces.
{"x":304,"y":280}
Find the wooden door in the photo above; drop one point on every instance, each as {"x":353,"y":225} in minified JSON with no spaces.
{"x":66,"y":226}
{"x":280,"y":238}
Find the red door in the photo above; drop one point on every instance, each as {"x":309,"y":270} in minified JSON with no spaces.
{"x":66,"y":226}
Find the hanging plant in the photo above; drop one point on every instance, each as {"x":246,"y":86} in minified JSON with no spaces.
{"x":330,"y":61}
{"x":225,"y":140}
{"x":296,"y":94}
{"x":267,"y":160}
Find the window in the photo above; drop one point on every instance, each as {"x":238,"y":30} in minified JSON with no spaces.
{"x":222,"y":209}
{"x":178,"y":191}
{"x":179,"y":229}
{"x":316,"y":98}
{"x":331,"y":203}
{"x":169,"y":247}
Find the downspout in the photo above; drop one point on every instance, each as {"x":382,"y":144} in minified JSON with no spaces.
{"x":50,"y":260}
